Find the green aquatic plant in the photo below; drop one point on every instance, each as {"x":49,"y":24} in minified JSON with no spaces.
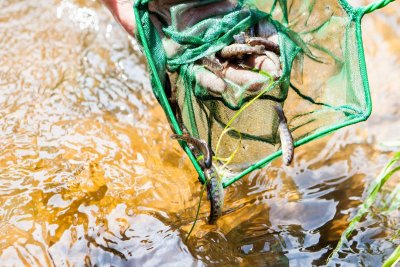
{"x":393,"y":259}
{"x":393,"y":202}
{"x":390,"y":169}
{"x":197,"y":211}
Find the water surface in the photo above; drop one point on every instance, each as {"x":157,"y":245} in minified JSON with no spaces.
{"x":88,"y":174}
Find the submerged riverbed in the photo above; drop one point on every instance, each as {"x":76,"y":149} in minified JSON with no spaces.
{"x":89,"y":175}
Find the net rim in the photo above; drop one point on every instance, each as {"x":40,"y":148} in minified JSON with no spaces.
{"x":355,"y":14}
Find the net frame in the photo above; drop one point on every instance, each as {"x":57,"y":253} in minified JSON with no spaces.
{"x":145,"y":32}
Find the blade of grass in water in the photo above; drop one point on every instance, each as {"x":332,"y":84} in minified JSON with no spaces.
{"x":197,"y":212}
{"x":394,"y":200}
{"x":383,"y":177}
{"x":393,"y":259}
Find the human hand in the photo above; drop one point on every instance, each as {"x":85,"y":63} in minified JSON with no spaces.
{"x":123,"y":12}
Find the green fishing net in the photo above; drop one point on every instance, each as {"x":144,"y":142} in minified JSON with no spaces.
{"x":321,"y":84}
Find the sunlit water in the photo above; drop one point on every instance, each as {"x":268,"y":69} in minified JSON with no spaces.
{"x":88,"y":174}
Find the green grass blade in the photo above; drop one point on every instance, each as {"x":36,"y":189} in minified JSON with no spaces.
{"x":393,"y":259}
{"x":394,"y":200}
{"x":197,"y":211}
{"x":370,"y":199}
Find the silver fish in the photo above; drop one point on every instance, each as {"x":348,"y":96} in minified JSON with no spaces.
{"x":285,"y":136}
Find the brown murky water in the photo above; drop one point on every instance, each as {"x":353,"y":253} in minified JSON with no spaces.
{"x":89,"y":176}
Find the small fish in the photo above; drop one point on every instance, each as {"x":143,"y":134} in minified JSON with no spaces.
{"x":239,"y":50}
{"x":215,"y":192}
{"x":268,"y":44}
{"x":243,"y":38}
{"x":285,"y":136}
{"x":212,"y":64}
{"x":199,"y":144}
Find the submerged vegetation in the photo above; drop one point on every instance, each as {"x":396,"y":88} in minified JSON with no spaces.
{"x":391,"y":204}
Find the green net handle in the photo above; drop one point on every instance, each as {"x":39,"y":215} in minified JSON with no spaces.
{"x":376,"y":5}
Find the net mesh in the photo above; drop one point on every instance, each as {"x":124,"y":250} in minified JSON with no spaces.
{"x":320,"y":78}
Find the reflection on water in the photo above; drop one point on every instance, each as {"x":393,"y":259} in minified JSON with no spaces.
{"x":89,"y":175}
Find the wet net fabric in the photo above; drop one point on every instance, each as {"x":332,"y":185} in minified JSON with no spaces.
{"x":322,"y":82}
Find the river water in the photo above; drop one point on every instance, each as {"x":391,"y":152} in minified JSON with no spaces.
{"x":89,"y":175}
